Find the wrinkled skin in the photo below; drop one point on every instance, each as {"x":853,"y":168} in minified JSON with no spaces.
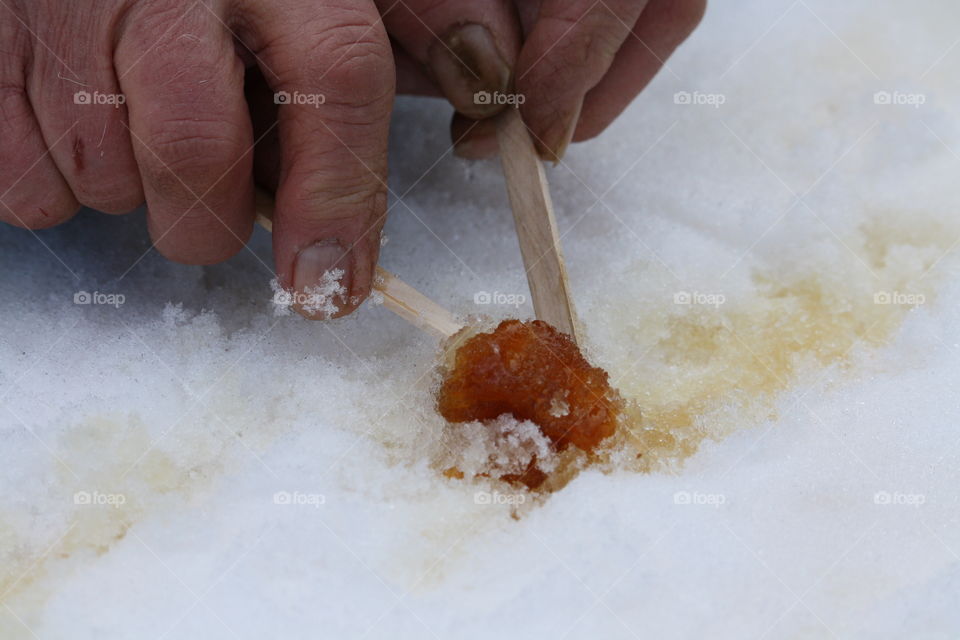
{"x":110,"y":103}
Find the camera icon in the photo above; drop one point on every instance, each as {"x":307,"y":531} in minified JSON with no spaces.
{"x":282,"y":97}
{"x":882,"y":297}
{"x":482,"y":497}
{"x":682,"y":97}
{"x":82,"y":97}
{"x":882,"y":97}
{"x":81,"y":497}
{"x":682,"y":497}
{"x":82,"y":297}
{"x":283,"y":298}
{"x":882,"y":497}
{"x":482,"y":297}
{"x":282,"y":497}
{"x":682,"y":297}
{"x":482,"y":97}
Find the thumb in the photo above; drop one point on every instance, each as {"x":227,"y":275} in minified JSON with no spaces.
{"x":331,"y":69}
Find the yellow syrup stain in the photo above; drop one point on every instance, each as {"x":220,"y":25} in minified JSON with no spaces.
{"x":109,"y":474}
{"x":705,"y":372}
{"x":698,"y":371}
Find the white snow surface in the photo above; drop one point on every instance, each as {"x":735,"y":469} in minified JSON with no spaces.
{"x":779,"y":268}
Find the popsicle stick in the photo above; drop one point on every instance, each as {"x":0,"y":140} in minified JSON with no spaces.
{"x":413,"y":306}
{"x":535,"y":222}
{"x":398,"y":296}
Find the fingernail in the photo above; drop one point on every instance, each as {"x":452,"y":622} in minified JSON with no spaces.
{"x":555,"y":146}
{"x":470,"y":70}
{"x":321,"y":280}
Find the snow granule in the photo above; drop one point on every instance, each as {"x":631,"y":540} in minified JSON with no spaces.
{"x":317,"y":300}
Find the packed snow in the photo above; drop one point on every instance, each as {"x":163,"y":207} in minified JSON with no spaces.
{"x":762,"y":251}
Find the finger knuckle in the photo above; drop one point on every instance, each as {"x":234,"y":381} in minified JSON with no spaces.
{"x":17,"y":120}
{"x":165,"y":18}
{"x":187,"y":157}
{"x":353,"y":63}
{"x":596,"y":45}
{"x":590,"y":38}
{"x":37,"y":209}
{"x":357,"y":202}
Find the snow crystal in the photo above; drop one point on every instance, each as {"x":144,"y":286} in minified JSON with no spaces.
{"x":762,"y":252}
{"x":496,"y":448}
{"x":319,"y":300}
{"x":559,"y":407}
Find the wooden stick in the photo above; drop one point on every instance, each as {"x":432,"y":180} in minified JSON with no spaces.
{"x":413,"y":306}
{"x":535,"y":222}
{"x":398,"y":296}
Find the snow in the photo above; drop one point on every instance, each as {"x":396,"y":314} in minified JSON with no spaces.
{"x":500,"y":447}
{"x":770,"y":275}
{"x":319,"y":299}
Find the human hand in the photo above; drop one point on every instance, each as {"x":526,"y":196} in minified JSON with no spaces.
{"x":576,"y":63}
{"x":108,"y":103}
